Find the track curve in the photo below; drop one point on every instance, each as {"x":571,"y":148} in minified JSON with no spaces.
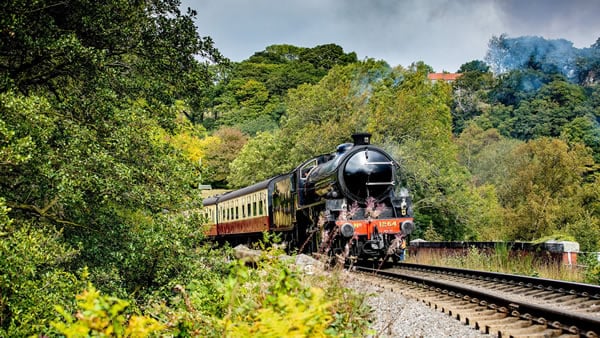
{"x":503,"y":304}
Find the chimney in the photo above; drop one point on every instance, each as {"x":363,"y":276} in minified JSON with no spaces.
{"x":361,"y":139}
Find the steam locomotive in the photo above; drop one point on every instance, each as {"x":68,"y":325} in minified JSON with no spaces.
{"x":346,"y":204}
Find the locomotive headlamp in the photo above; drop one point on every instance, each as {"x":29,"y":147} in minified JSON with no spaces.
{"x":347,"y":230}
{"x":407,"y":227}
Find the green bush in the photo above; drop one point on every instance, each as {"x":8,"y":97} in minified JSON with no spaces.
{"x":271,"y":302}
{"x":592,"y":267}
{"x":272,"y":299}
{"x":103,"y":316}
{"x":32,"y":278}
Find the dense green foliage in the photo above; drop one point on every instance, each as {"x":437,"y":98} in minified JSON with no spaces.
{"x":462,"y":145}
{"x":544,"y":94}
{"x":273,"y":299}
{"x":251,"y":94}
{"x":404,"y":111}
{"x":86,"y":176}
{"x":110,"y":113}
{"x":99,"y":175}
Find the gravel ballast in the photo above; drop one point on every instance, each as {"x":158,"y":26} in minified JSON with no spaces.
{"x":396,"y":315}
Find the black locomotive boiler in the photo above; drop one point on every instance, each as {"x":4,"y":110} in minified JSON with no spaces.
{"x":347,"y":203}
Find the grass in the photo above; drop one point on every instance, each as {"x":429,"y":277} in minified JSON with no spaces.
{"x":501,"y":259}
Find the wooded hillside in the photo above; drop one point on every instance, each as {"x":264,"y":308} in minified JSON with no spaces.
{"x":112,"y":114}
{"x":508,"y":151}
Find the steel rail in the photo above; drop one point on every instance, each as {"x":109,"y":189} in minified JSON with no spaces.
{"x":580,"y":289}
{"x":570,"y":322}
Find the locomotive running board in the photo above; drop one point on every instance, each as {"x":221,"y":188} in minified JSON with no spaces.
{"x":388,"y":163}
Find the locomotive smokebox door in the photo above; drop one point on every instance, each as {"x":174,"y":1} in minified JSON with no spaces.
{"x":361,"y":139}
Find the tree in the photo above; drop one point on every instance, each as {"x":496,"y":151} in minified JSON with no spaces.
{"x":531,"y":52}
{"x":486,"y":154}
{"x":261,"y":158}
{"x":34,"y":278}
{"x":275,"y":54}
{"x":472,"y":142}
{"x":325,"y":57}
{"x":219,"y":154}
{"x":414,"y":118}
{"x":319,"y":117}
{"x":515,"y":86}
{"x":554,"y":106}
{"x":86,"y":101}
{"x":542,"y":189}
{"x":52,"y":43}
{"x":271,"y":72}
{"x":477,"y":66}
{"x":405,"y":113}
{"x":588,"y":65}
{"x":584,"y":130}
{"x":470,"y":92}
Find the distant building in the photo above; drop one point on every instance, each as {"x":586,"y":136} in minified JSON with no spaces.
{"x":448,"y":77}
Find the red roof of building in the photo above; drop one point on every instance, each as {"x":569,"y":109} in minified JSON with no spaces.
{"x":444,"y":76}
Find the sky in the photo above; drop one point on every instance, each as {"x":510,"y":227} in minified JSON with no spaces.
{"x":442,"y":33}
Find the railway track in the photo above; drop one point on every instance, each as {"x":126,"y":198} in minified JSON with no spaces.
{"x":501,"y":304}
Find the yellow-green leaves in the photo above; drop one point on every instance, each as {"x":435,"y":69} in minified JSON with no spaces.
{"x":104,"y":316}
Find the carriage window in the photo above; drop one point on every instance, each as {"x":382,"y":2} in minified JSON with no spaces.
{"x":260,"y":207}
{"x":248,"y":208}
{"x":237,"y":212}
{"x":254,"y":208}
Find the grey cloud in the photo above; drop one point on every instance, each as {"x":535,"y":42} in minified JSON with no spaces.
{"x":574,"y":20}
{"x":442,"y":33}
